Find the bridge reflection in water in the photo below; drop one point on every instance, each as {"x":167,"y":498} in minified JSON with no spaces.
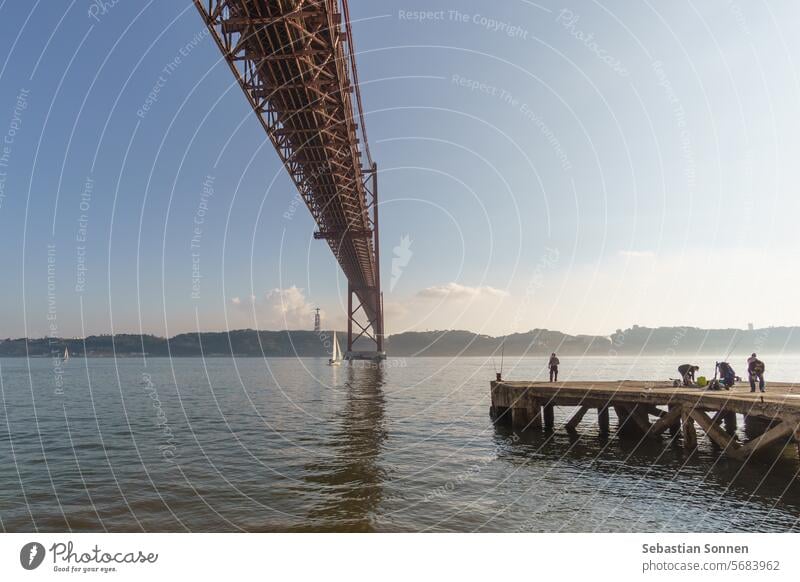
{"x":350,"y":480}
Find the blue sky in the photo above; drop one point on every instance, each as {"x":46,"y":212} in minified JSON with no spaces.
{"x":571,"y":165}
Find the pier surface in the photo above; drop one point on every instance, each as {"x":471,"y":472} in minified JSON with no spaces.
{"x":647,"y":409}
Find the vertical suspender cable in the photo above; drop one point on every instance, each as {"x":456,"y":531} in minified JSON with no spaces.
{"x":354,"y":71}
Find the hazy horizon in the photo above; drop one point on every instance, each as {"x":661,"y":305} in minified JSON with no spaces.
{"x":326,"y":329}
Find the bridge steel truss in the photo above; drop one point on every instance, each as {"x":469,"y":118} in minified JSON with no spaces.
{"x":294,"y":60}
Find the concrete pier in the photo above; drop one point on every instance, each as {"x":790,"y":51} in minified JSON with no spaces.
{"x":647,"y":409}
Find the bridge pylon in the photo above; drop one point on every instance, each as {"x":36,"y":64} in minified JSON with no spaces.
{"x":359,"y":323}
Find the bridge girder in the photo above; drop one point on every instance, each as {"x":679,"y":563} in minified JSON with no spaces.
{"x":293,"y":60}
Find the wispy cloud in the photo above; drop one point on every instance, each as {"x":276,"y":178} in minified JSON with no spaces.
{"x":278,"y":309}
{"x":454,"y":290}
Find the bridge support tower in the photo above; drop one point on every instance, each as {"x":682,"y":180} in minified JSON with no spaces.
{"x":359,"y":325}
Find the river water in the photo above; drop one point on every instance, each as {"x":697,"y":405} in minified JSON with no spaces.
{"x":223,"y":444}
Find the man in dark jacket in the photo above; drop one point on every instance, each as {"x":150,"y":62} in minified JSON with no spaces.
{"x":755,"y":371}
{"x":553,"y":365}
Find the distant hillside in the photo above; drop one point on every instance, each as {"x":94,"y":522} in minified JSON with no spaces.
{"x":467,"y":343}
{"x":245,"y":342}
{"x":248,"y":342}
{"x":693,"y":340}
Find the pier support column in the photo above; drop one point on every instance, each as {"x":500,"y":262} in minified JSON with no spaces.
{"x":797,"y":440}
{"x":728,"y":444}
{"x":602,"y":419}
{"x":633,"y":421}
{"x":520,"y":418}
{"x":576,"y":419}
{"x":623,"y":423}
{"x":642,"y":421}
{"x":780,"y":433}
{"x":501,"y":415}
{"x":549,"y":417}
{"x":675,"y":427}
{"x":670,"y":420}
{"x":689,"y":432}
{"x":755,"y":426}
{"x":536,"y":415}
{"x":729,"y":418}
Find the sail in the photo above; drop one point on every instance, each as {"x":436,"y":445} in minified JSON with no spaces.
{"x":66,"y":354}
{"x":336,"y":355}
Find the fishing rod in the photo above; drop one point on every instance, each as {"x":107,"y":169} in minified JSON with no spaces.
{"x":725,"y":360}
{"x":502,"y":354}
{"x":730,"y":351}
{"x":499,"y":375}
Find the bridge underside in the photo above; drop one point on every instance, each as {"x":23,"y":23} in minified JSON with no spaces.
{"x":294,"y":61}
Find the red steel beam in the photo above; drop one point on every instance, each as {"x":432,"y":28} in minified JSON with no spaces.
{"x":296,"y":66}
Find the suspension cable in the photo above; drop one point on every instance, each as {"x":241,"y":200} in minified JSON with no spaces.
{"x":354,"y":72}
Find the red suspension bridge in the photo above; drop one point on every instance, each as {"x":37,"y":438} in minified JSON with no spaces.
{"x":295,"y":62}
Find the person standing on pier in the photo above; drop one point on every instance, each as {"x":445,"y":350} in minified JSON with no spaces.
{"x":553,"y":365}
{"x":687,"y":372}
{"x":755,"y":371}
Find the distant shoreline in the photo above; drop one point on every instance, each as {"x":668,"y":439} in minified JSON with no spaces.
{"x":631,"y":342}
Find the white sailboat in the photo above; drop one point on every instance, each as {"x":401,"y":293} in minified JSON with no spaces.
{"x":66,"y":355}
{"x":336,"y":356}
